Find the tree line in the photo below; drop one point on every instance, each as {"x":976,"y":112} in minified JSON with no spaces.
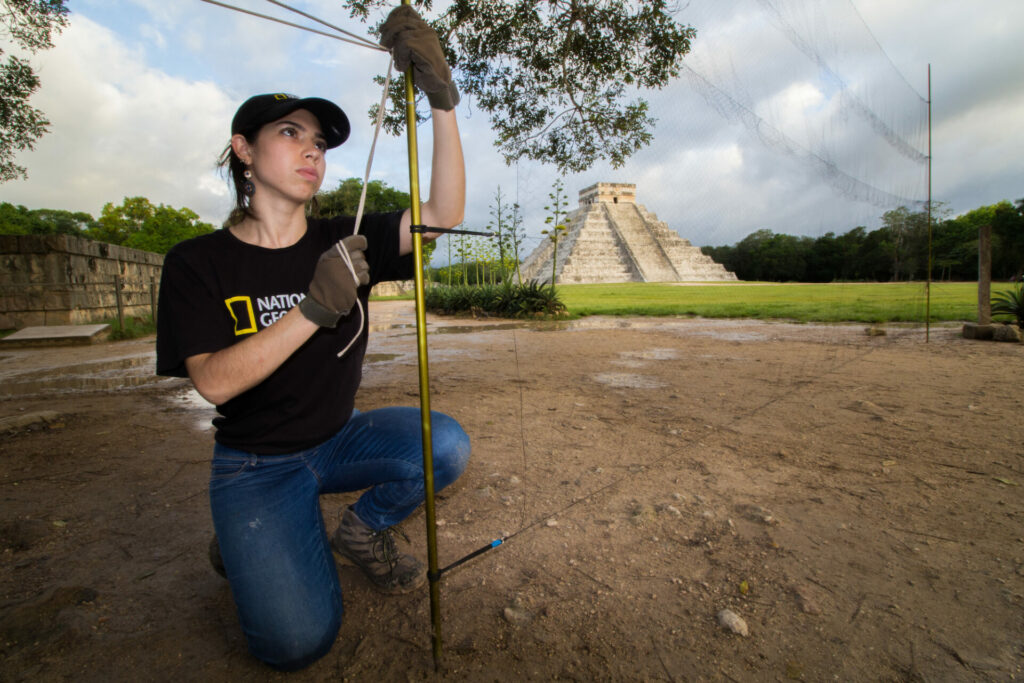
{"x":139,"y":224}
{"x":136,"y":223}
{"x":897,"y":251}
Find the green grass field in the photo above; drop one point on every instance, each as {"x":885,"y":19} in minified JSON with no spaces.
{"x":835,"y":302}
{"x":880,"y":302}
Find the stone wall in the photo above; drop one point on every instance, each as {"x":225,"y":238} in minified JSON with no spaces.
{"x":68,"y":280}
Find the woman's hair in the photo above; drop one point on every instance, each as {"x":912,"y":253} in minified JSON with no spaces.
{"x":235,"y":170}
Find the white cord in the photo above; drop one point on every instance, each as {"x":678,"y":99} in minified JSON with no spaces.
{"x":362,"y":203}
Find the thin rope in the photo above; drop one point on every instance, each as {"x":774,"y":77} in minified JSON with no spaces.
{"x":365,"y":41}
{"x":373,"y":145}
{"x":882,"y":49}
{"x":298,"y":26}
{"x":522,"y":426}
{"x":362,"y":203}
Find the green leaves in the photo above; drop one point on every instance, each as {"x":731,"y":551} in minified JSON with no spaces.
{"x":557,"y":77}
{"x":1011,"y":303}
{"x":529,"y":300}
{"x":137,"y":224}
{"x":344,"y":199}
{"x":29,"y":23}
{"x":20,"y":124}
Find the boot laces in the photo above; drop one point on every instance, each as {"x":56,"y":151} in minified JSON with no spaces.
{"x":384,"y":548}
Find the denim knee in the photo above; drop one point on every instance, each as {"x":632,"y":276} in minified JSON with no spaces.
{"x":294,"y":651}
{"x":451,"y":449}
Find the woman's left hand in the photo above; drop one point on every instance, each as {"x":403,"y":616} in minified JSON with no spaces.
{"x":412,"y":41}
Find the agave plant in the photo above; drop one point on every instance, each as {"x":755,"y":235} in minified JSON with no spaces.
{"x":1010,"y":302}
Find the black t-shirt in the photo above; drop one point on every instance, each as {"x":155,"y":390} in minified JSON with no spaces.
{"x":216,"y":290}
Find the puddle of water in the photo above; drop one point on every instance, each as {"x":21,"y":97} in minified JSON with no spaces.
{"x":626,"y":380}
{"x":380,"y":357}
{"x":205,"y":411}
{"x":652,"y":354}
{"x":385,"y":327}
{"x":490,"y":327}
{"x":731,"y":336}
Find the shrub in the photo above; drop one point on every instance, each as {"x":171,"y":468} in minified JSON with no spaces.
{"x":505,"y":300}
{"x":133,"y":327}
{"x":1011,"y":303}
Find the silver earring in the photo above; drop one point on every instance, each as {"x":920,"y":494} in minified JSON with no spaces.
{"x":247,"y":187}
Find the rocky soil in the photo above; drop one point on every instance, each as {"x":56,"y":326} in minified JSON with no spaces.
{"x":683,"y":500}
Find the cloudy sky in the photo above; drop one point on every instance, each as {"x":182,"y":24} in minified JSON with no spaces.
{"x":775,"y":123}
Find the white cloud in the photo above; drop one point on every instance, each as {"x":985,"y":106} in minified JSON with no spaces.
{"x":140,"y":94}
{"x":119,"y":128}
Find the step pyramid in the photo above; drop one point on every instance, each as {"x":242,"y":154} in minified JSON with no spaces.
{"x":611,"y":238}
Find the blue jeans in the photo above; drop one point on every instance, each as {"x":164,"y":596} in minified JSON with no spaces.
{"x":266,"y":513}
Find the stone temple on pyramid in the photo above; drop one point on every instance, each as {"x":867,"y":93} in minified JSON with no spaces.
{"x":611,"y":238}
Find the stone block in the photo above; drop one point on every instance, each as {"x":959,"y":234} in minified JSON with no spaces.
{"x":976,"y":331}
{"x":1007,"y":333}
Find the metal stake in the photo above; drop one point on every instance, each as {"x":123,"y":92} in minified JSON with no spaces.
{"x":421,"y":348}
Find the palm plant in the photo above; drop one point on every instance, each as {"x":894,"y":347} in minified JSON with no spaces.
{"x":1010,"y":302}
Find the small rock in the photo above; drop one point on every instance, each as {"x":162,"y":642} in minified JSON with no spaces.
{"x":673,"y":510}
{"x":516,"y":613}
{"x":805,"y":599}
{"x":551,"y":523}
{"x":513,"y":480}
{"x":756,"y":513}
{"x":678,"y":497}
{"x":731,"y":621}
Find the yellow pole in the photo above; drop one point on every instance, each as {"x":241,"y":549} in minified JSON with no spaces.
{"x":421,"y":347}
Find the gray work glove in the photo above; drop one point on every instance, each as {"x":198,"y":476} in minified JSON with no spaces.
{"x":332,"y":293}
{"x":411,"y":40}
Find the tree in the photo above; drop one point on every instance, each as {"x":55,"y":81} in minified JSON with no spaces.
{"x":136,"y":223}
{"x":380,"y":198}
{"x":557,"y":77}
{"x":1008,"y":240}
{"x":30,"y":24}
{"x":499,"y":211}
{"x":516,"y":237}
{"x":557,"y":209}
{"x":344,"y":199}
{"x":18,"y":220}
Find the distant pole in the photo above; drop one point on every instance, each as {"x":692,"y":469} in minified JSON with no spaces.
{"x":152,"y":297}
{"x":120,"y":303}
{"x":928,"y":286}
{"x":985,"y":274}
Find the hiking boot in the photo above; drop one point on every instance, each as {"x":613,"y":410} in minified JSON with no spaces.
{"x":216,"y":561}
{"x":375,"y":553}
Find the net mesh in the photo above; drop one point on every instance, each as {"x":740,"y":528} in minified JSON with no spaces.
{"x":782,"y":107}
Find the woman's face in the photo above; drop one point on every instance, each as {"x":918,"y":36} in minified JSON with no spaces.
{"x":287,"y":158}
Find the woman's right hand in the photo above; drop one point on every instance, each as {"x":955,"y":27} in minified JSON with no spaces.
{"x":334,"y":288}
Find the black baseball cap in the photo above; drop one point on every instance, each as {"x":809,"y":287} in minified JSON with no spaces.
{"x":259,"y":110}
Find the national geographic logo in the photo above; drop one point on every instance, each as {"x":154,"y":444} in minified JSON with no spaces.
{"x":270,"y":308}
{"x":240,"y":308}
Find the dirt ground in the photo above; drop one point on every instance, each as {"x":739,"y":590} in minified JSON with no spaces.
{"x":856,"y":500}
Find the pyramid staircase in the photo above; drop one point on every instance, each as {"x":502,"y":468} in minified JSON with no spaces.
{"x":610,"y":238}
